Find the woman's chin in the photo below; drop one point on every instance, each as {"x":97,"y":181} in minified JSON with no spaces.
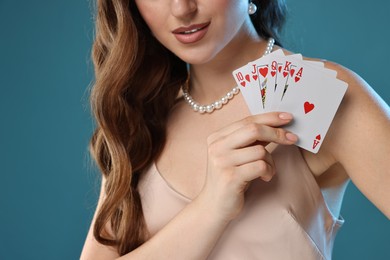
{"x":195,"y":59}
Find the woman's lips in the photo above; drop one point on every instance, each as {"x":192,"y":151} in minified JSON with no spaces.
{"x":191,"y":34}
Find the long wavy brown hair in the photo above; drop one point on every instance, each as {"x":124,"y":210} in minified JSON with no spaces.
{"x":137,"y":82}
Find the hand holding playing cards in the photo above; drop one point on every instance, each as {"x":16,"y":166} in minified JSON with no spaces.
{"x":307,"y":89}
{"x":237,"y":155}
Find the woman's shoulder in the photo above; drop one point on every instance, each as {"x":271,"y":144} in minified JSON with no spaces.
{"x":343,"y":73}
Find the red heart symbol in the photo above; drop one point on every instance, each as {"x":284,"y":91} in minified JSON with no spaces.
{"x":263,"y":71}
{"x":285,"y":74}
{"x":254,"y":77}
{"x":297,"y":79}
{"x":308,"y":107}
{"x":247,"y":78}
{"x":318,"y":137}
{"x":280,"y":68}
{"x":292,"y":72}
{"x":242,"y":83}
{"x":273,"y":73}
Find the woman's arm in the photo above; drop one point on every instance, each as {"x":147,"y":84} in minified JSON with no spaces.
{"x":359,"y":139}
{"x":236,"y":156}
{"x":92,"y":248}
{"x":190,"y":235}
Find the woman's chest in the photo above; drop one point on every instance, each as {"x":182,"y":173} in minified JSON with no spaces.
{"x":183,"y":161}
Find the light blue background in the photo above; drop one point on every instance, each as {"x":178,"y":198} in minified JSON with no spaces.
{"x":47,"y":185}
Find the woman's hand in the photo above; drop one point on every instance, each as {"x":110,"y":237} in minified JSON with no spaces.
{"x":237,"y":155}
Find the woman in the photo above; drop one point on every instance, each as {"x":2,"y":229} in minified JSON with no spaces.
{"x":179,"y":184}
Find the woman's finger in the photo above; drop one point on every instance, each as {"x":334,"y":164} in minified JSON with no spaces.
{"x":274,"y":119}
{"x":248,"y":154}
{"x":263,"y":169}
{"x":252,"y":133}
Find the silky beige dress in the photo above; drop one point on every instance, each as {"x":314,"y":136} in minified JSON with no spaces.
{"x":286,"y":218}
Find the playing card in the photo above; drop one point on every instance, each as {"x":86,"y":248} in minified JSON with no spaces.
{"x":248,"y":89}
{"x":313,"y":100}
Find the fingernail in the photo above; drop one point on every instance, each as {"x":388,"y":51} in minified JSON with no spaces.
{"x":291,"y":137}
{"x":285,"y":116}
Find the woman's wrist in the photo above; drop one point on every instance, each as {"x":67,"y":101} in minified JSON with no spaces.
{"x":210,"y":208}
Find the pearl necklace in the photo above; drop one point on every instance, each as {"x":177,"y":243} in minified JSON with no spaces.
{"x":225,"y":99}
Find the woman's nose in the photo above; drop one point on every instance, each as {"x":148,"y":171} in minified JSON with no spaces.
{"x":183,"y":8}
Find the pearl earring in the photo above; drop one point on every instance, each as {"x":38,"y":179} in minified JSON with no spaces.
{"x":252,"y":8}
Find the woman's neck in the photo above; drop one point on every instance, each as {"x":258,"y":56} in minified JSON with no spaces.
{"x":212,"y":80}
